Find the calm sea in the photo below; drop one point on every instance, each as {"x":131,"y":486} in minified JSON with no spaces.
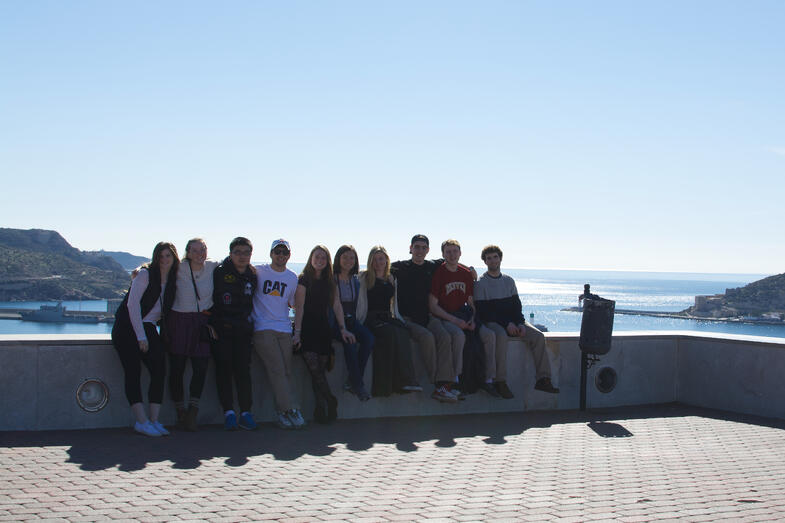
{"x":544,"y":293}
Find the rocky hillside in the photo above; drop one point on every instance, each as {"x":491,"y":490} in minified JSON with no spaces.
{"x":41,"y":265}
{"x":755,"y":299}
{"x":127,"y":260}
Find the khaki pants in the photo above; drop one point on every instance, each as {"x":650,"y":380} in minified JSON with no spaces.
{"x":275,"y":350}
{"x":452,"y":365}
{"x":533,"y":338}
{"x":436,"y":348}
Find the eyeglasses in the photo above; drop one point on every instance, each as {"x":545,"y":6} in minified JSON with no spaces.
{"x":280,"y":251}
{"x":241,"y":252}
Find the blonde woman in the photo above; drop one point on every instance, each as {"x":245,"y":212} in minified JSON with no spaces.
{"x":377,"y":308}
{"x":191,"y":336}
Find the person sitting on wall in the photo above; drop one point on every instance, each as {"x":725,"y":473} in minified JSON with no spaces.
{"x":452,"y":301}
{"x":499,"y":308}
{"x":377,"y":309}
{"x":414,"y":283}
{"x":314,"y":298}
{"x":357,"y":354}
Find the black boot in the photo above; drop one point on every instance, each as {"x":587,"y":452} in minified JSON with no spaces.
{"x":320,"y":412}
{"x":190,"y":418}
{"x":332,"y":408}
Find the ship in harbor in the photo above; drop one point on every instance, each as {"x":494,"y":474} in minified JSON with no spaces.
{"x":56,"y":314}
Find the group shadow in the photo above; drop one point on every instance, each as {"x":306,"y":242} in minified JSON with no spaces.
{"x":100,"y":449}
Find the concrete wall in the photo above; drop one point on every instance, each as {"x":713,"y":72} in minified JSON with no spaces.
{"x":737,"y":373}
{"x":39,"y":376}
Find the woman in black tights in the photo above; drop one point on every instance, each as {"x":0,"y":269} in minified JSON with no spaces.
{"x":312,"y":333}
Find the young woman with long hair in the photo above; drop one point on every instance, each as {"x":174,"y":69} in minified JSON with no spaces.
{"x":346,"y":266}
{"x":136,"y":339}
{"x":314,"y":296}
{"x":191,"y":335}
{"x":377,"y":308}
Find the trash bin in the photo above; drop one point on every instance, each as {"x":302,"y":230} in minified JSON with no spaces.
{"x":597,"y":325}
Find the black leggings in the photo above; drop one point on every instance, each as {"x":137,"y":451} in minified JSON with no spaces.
{"x":317,"y":366}
{"x":177,"y":365}
{"x":127,"y":347}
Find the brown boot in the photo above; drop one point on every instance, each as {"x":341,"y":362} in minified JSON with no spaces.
{"x":190,"y":418}
{"x":180,"y":418}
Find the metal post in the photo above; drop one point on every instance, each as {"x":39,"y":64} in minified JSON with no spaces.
{"x":584,"y":372}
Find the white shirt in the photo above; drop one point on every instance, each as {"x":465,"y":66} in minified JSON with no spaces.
{"x":272,"y":299}
{"x":185,"y":298}
{"x":138,"y":286}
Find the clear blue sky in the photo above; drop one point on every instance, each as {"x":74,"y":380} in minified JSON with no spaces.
{"x":604,"y":135}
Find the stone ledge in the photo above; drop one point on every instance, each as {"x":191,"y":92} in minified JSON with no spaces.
{"x":39,"y":376}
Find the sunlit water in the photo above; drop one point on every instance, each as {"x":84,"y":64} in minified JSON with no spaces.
{"x":543,"y":293}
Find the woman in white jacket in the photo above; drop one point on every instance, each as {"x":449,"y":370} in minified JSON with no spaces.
{"x":377,"y":308}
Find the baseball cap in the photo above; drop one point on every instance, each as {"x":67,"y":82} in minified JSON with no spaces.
{"x":420,"y":238}
{"x":280,"y":241}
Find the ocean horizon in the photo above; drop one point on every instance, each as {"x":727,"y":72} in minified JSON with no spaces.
{"x":544,"y":294}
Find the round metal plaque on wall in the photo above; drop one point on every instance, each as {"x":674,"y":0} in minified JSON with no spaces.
{"x":606,"y":380}
{"x":92,"y":395}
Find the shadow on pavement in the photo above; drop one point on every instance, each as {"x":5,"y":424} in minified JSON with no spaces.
{"x":101,"y":449}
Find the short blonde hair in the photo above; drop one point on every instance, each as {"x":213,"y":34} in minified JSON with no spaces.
{"x":445,"y":243}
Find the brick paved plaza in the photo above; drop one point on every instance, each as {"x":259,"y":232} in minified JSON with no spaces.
{"x":628,"y":464}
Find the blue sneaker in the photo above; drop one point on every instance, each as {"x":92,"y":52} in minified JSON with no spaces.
{"x":247,"y":422}
{"x":283,"y":421}
{"x":230,"y":421}
{"x":295,"y":418}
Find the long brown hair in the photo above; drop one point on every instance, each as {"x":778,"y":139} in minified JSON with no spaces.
{"x":370,"y":273}
{"x":309,"y":272}
{"x":154,"y":267}
{"x":154,"y":272}
{"x":337,"y":261}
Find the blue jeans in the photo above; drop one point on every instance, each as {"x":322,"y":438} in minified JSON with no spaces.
{"x":357,"y":354}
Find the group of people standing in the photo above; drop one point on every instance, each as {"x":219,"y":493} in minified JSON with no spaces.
{"x":193,"y":308}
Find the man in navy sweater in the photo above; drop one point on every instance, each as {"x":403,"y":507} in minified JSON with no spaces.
{"x":499,"y":308}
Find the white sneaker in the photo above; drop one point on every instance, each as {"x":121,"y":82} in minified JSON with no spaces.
{"x":444,"y":395}
{"x":160,"y":428}
{"x":147,"y":429}
{"x":412,"y":388}
{"x":296,"y":418}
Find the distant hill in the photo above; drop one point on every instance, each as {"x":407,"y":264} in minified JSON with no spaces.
{"x":126,"y":259}
{"x":762,"y":297}
{"x":38,"y":264}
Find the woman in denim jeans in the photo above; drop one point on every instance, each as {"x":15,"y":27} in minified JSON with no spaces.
{"x":356,"y":354}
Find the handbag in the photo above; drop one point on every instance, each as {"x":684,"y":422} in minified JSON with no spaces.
{"x":205,"y":333}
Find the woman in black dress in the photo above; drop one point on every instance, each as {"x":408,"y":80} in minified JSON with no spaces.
{"x":312,"y":333}
{"x":377,"y":308}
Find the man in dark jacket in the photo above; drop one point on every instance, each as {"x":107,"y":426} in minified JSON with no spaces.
{"x":234,"y":282}
{"x":499,"y":308}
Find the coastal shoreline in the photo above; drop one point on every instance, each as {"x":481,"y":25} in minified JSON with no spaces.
{"x":683,"y":316}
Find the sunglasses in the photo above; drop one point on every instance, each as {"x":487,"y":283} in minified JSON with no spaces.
{"x":280,"y":250}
